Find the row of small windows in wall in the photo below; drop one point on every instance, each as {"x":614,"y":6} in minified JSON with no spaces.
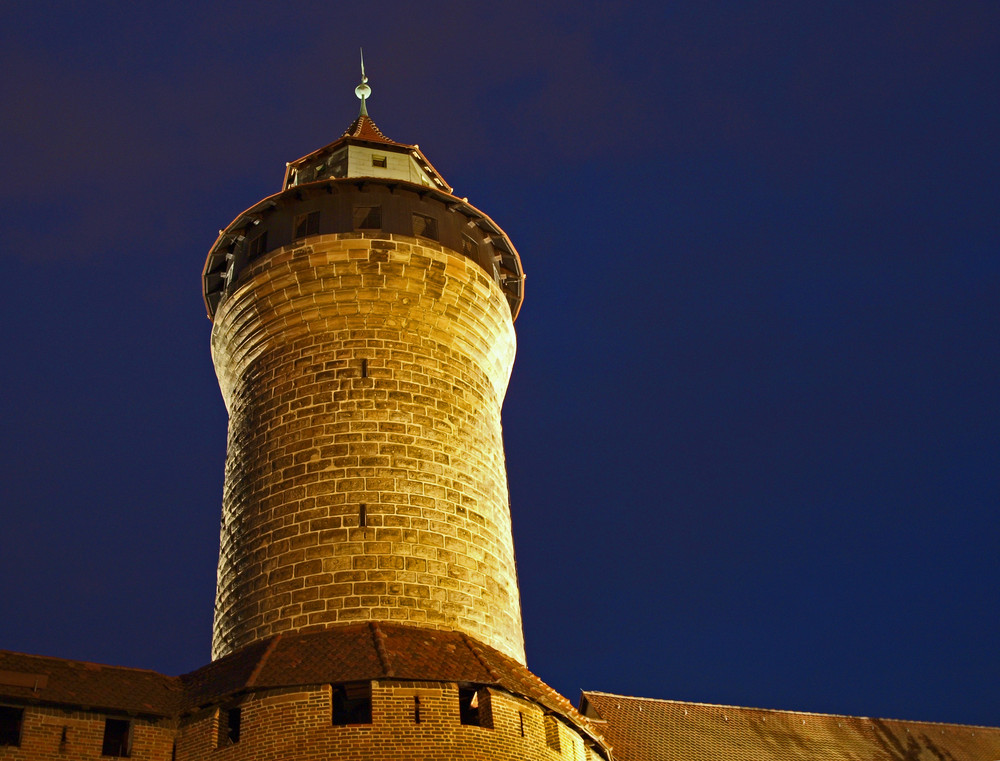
{"x":331,"y":166}
{"x":362,"y":217}
{"x":352,"y":704}
{"x":334,"y":166}
{"x":116,"y":741}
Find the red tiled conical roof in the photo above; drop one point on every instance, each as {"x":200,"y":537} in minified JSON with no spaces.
{"x":364,"y":128}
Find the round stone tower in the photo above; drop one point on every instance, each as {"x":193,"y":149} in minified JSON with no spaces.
{"x":363,"y":338}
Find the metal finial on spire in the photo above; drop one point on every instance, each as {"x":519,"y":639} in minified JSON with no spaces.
{"x":363,"y":90}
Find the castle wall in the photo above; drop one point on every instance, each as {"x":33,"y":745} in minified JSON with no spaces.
{"x":365,"y":474}
{"x":409,"y":720}
{"x":74,"y":735}
{"x":296,"y":724}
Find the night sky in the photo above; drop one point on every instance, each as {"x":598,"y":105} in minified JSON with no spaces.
{"x":753,"y":430}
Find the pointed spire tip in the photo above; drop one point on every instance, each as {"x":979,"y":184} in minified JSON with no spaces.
{"x":363,"y":91}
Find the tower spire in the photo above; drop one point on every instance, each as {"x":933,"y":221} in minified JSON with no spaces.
{"x":363,"y":90}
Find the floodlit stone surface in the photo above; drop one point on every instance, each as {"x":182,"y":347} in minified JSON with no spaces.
{"x":365,"y":477}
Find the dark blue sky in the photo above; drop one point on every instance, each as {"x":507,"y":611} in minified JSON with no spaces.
{"x":753,"y":433}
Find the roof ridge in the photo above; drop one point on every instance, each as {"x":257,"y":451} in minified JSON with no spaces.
{"x":494,"y":674}
{"x":783,"y":710}
{"x":363,"y":127}
{"x":378,"y":639}
{"x":74,"y":661}
{"x":252,"y":679}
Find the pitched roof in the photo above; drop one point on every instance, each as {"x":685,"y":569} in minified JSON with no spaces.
{"x":39,"y":679}
{"x":642,"y":729}
{"x":368,"y":651}
{"x":364,"y":128}
{"x":345,"y":653}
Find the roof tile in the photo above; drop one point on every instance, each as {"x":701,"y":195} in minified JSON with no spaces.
{"x":41,"y":679}
{"x":642,"y":729}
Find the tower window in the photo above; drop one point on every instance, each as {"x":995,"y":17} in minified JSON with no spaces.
{"x":352,"y":703}
{"x":379,"y":161}
{"x":306,"y":224}
{"x":338,"y":164}
{"x":474,"y":708}
{"x":469,"y":247}
{"x":425,"y":227}
{"x":257,"y":246}
{"x":367,"y":217}
{"x":117,"y":738}
{"x":362,"y":515}
{"x":11,"y":720}
{"x":229,"y":726}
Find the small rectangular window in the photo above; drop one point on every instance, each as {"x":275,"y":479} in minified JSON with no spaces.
{"x":469,"y":247}
{"x":117,"y":738}
{"x":257,"y":246}
{"x":367,"y":217}
{"x":11,"y":719}
{"x":229,"y":726}
{"x":306,"y":225}
{"x":338,"y":164}
{"x":352,"y":703}
{"x":474,"y":707}
{"x":379,"y":161}
{"x":425,"y":227}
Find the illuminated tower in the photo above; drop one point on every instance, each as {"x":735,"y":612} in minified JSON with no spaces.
{"x":367,"y":603}
{"x":363,"y":338}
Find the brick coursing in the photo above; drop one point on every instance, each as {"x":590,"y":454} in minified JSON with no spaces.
{"x":295,"y":725}
{"x":365,"y":371}
{"x":68,"y":735}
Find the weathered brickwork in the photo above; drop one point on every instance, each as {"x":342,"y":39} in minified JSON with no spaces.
{"x":365,"y":475}
{"x":297,"y":725}
{"x":53,"y":733}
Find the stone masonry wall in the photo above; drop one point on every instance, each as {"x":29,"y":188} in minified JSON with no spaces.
{"x":365,"y":475}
